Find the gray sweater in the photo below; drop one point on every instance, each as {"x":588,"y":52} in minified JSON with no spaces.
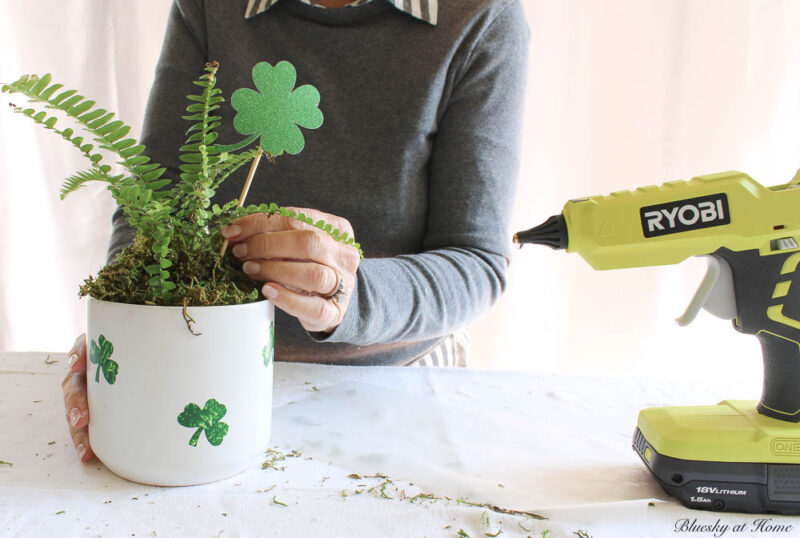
{"x":419,"y":150}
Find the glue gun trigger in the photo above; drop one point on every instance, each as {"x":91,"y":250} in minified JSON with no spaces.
{"x":715,"y":293}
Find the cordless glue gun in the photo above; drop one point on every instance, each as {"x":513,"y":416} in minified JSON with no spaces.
{"x":737,"y":455}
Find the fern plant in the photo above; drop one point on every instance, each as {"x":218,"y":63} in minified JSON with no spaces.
{"x":174,"y":258}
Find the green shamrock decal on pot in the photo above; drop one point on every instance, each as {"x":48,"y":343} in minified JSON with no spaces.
{"x":276,"y":111}
{"x":100,"y":354}
{"x":205,"y":419}
{"x":269,"y":350}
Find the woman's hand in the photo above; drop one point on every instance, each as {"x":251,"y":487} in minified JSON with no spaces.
{"x":75,"y":399}
{"x":303,"y":267}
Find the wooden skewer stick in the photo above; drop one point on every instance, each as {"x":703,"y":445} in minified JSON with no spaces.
{"x":242,"y":196}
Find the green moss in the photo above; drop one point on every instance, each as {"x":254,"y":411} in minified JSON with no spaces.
{"x":201,"y":278}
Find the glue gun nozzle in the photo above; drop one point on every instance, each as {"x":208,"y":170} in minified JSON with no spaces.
{"x":552,"y":232}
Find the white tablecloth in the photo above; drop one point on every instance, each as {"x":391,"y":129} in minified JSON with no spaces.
{"x":375,"y":452}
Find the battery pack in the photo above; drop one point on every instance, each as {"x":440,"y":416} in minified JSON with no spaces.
{"x":724,"y":457}
{"x":724,"y":486}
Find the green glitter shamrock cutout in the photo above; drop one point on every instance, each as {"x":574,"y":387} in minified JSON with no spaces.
{"x":205,"y":419}
{"x":100,"y":354}
{"x":276,"y":111}
{"x":269,"y":350}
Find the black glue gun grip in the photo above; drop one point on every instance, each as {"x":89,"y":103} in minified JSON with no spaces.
{"x":768,"y":306}
{"x":780,"y":398}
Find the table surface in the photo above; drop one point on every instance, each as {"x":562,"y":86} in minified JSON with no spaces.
{"x":378,"y":451}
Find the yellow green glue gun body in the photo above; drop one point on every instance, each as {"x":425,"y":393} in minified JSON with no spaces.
{"x":751,"y":235}
{"x":734,"y":456}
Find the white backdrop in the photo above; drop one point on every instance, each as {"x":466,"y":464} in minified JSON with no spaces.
{"x":622,"y":93}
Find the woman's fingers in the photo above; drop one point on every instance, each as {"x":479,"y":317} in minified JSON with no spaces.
{"x":81,"y":440}
{"x":75,"y":399}
{"x":316,"y":314}
{"x":295,"y":245}
{"x":307,"y":276}
{"x":300,"y":245}
{"x":259,"y":223}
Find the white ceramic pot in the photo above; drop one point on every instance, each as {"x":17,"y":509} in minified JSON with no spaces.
{"x":170,"y":408}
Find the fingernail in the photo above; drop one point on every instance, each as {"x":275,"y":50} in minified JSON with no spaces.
{"x":231,"y":231}
{"x":251,"y":268}
{"x":240,"y":250}
{"x":73,"y":358}
{"x":81,"y":450}
{"x":74,"y":416}
{"x":269,"y":292}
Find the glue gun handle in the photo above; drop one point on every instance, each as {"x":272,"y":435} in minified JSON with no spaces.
{"x":767,"y":290}
{"x":781,"y":395}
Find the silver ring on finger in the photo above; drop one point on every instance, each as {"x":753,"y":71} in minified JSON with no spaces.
{"x":338,"y":294}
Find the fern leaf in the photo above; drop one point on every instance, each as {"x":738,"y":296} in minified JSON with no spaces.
{"x":93,"y":115}
{"x":195,"y":127}
{"x":154,"y":175}
{"x":131,"y":152}
{"x":191,"y":147}
{"x":79,"y":109}
{"x":156,"y":185}
{"x":69,"y":103}
{"x":99,"y":122}
{"x":30,"y":83}
{"x":14,"y":86}
{"x":118,"y":133}
{"x":78,"y":180}
{"x":41,"y":85}
{"x":191,"y":157}
{"x":191,"y":168}
{"x":135,"y":161}
{"x":124,"y":144}
{"x":113,"y":126}
{"x":142,"y":169}
{"x":58,"y":99}
{"x":45,"y":95}
{"x":193,"y":117}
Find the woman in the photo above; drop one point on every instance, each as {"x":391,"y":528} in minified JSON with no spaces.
{"x":418,"y":155}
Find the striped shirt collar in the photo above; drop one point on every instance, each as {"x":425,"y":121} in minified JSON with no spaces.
{"x":426,"y":10}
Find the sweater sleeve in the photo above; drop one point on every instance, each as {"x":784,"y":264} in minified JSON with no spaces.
{"x":473,"y":170}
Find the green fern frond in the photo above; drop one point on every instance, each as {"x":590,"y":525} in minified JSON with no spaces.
{"x":177,"y":227}
{"x":78,"y":180}
{"x":198,"y":155}
{"x":107,"y":134}
{"x":49,"y":122}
